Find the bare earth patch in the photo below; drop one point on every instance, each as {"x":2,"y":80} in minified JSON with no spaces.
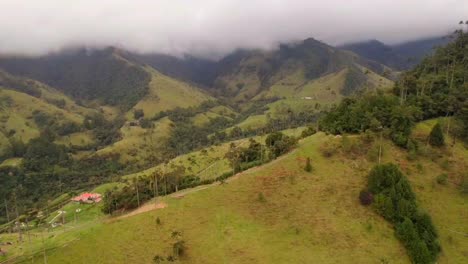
{"x":143,"y":209}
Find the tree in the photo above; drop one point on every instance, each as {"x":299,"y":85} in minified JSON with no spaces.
{"x":436,"y":137}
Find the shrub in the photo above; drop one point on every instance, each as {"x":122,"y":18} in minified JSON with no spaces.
{"x":138,"y":113}
{"x":308,"y":166}
{"x":365,"y":197}
{"x":442,"y":179}
{"x":309,"y":131}
{"x":328,"y":149}
{"x":178,"y":248}
{"x":436,"y":137}
{"x":261,"y":198}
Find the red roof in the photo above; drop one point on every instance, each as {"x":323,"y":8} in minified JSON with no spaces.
{"x":87,"y":196}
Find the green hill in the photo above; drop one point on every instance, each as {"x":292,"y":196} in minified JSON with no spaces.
{"x":279,"y":213}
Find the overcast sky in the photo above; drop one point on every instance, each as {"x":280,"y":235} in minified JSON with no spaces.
{"x":216,"y":26}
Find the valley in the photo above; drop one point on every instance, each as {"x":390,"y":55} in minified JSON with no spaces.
{"x":261,"y":156}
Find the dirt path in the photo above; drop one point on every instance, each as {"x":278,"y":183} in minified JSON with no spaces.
{"x":143,"y":209}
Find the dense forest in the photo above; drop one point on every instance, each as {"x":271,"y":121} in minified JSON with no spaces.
{"x":437,"y":87}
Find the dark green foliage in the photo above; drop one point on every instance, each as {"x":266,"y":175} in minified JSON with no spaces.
{"x":442,"y":179}
{"x":18,"y":148}
{"x":178,"y":249}
{"x":19,"y":84}
{"x":366,"y":197}
{"x":396,"y":202}
{"x":105,"y":132}
{"x":41,"y":153}
{"x":355,"y":79}
{"x":60,"y":103}
{"x":436,"y":87}
{"x":308,"y":166}
{"x":158,"y":259}
{"x":371,"y":111}
{"x":309,"y":131}
{"x":244,"y":158}
{"x":436,"y":137}
{"x":438,"y":84}
{"x":138,"y":113}
{"x":278,"y":143}
{"x":42,"y":119}
{"x":89,"y":75}
{"x":146,"y":123}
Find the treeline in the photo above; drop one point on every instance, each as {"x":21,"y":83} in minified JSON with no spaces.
{"x":437,"y":87}
{"x":141,"y":189}
{"x":393,"y":198}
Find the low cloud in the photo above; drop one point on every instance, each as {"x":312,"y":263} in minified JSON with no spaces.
{"x":212,"y":28}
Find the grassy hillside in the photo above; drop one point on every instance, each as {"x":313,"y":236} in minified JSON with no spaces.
{"x":166,"y":93}
{"x":292,"y":71}
{"x":279,"y":213}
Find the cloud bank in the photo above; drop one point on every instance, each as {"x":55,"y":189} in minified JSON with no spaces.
{"x":216,"y":27}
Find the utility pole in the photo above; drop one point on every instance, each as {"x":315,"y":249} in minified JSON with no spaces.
{"x":380,"y":145}
{"x":7,"y":215}
{"x":44,"y":248}
{"x":18,"y":224}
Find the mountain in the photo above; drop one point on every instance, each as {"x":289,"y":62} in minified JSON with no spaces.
{"x":86,"y":75}
{"x":189,"y":68}
{"x":400,"y":56}
{"x":377,"y":51}
{"x":416,"y":50}
{"x":288,"y":71}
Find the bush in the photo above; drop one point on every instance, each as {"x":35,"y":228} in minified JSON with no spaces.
{"x":309,"y":131}
{"x":436,"y":137}
{"x":308,"y":166}
{"x":442,"y":179}
{"x":365,"y":197}
{"x":396,"y":202}
{"x":328,"y":149}
{"x":138,"y":113}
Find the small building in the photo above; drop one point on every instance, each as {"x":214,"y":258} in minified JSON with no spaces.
{"x":88,"y":198}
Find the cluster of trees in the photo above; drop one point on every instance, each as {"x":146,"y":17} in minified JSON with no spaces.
{"x":394,"y":199}
{"x":436,"y":87}
{"x":105,"y":132}
{"x":374,"y":112}
{"x":47,"y":171}
{"x":44,"y":120}
{"x":141,"y":189}
{"x":19,"y":84}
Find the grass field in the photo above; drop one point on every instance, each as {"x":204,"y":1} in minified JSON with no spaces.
{"x":166,"y":93}
{"x":278,"y":213}
{"x":137,"y":144}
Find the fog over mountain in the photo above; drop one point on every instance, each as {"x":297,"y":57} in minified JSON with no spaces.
{"x":212,"y":28}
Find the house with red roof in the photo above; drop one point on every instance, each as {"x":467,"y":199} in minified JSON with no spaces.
{"x":87,"y":198}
